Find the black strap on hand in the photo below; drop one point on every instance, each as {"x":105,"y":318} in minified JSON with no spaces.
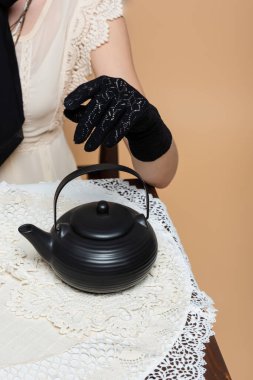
{"x":117,"y":110}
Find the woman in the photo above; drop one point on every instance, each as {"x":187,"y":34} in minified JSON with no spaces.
{"x":61,"y":43}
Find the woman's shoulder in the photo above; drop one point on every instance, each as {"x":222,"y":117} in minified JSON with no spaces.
{"x":101,"y":6}
{"x":92,"y":18}
{"x":92,"y":15}
{"x":87,"y":30}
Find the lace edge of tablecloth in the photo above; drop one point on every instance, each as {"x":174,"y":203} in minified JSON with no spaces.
{"x":185,"y":359}
{"x":201,"y":311}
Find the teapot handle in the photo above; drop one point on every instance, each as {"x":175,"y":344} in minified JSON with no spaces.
{"x":96,"y":168}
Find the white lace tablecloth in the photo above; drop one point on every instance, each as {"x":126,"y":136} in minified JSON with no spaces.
{"x":48,"y":330}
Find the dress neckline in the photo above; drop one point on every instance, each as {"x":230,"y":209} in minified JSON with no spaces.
{"x":37,"y":23}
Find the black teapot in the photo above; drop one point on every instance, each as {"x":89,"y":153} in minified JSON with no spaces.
{"x":98,"y":247}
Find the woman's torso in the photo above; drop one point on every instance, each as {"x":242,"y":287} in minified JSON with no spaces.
{"x":53,"y":54}
{"x":42,"y":52}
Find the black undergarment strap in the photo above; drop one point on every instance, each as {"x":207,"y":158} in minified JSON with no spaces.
{"x":11,"y":104}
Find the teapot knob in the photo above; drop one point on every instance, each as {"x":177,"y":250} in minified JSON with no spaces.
{"x":102,"y":207}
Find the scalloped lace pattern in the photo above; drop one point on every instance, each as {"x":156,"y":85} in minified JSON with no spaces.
{"x":155,"y":330}
{"x":25,"y":73}
{"x":89,"y":30}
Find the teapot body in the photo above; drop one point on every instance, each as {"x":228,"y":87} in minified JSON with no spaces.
{"x":103,"y":265}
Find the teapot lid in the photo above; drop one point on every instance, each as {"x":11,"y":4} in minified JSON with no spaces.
{"x":102,"y":220}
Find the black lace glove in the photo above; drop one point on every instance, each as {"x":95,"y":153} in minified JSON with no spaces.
{"x":117,"y":110}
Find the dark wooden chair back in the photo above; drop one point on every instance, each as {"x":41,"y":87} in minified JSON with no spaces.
{"x":106,"y":155}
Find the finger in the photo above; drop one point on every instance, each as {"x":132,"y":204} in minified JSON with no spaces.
{"x":76,"y":114}
{"x":117,"y":134}
{"x":93,"y":114}
{"x":82,"y":93}
{"x":108,"y":123}
{"x":81,"y":133}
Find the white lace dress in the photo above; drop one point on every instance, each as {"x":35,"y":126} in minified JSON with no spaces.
{"x":53,"y":59}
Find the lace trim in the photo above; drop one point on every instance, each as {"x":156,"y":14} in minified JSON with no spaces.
{"x":25,"y":72}
{"x":101,"y":356}
{"x":89,"y":30}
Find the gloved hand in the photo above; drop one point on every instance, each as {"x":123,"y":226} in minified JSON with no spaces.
{"x":117,"y":110}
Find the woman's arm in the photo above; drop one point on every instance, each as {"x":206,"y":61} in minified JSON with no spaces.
{"x":114,"y":59}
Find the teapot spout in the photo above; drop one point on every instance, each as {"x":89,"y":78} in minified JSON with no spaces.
{"x":41,"y":240}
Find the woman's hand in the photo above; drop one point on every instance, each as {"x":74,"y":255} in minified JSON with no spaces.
{"x":117,"y":110}
{"x":114,"y":108}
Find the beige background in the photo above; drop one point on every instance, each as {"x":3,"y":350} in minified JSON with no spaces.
{"x":194,"y":59}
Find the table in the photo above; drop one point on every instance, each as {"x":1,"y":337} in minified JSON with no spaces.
{"x":216,"y":368}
